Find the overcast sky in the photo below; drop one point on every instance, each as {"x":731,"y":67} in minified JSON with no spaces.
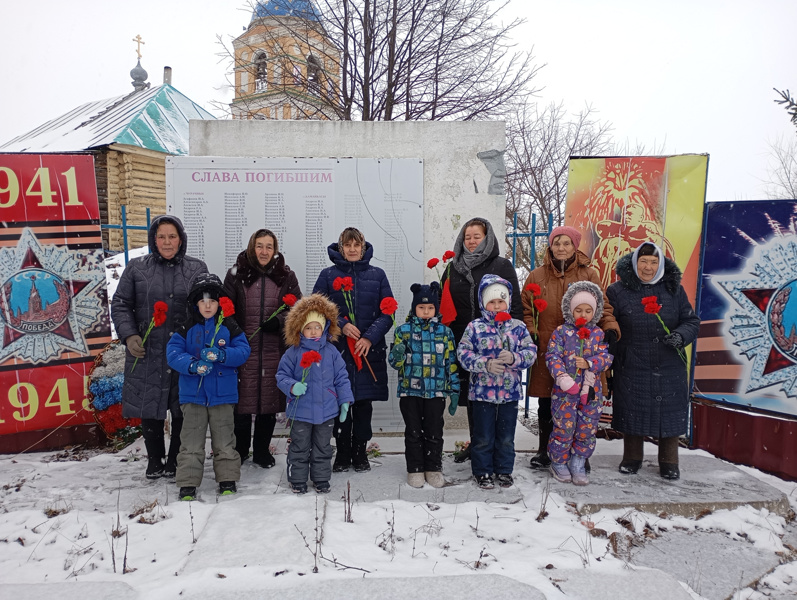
{"x":680,"y":76}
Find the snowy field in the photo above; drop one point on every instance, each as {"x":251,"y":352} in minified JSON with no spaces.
{"x":92,"y":517}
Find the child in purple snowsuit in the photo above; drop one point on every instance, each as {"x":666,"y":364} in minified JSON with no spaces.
{"x":576,"y":357}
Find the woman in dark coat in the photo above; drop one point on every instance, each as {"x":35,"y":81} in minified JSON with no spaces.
{"x":651,"y":383}
{"x":257,"y":284}
{"x":365,"y":339}
{"x":150,"y":389}
{"x":475,"y":255}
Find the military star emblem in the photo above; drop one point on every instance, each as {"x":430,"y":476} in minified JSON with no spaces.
{"x":763,"y":317}
{"x":46,"y":300}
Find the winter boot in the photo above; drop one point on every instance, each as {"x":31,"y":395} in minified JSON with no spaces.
{"x":435,"y":479}
{"x":170,"y":468}
{"x":360,"y":457}
{"x":633,"y":453}
{"x":505,"y":480}
{"x":415,"y":480}
{"x":669,"y":471}
{"x":322,"y":487}
{"x":560,"y":472}
{"x":188,"y":493}
{"x":485,"y":482}
{"x":342,"y":454}
{"x":227,"y":488}
{"x":266,"y":461}
{"x":541,"y":460}
{"x":152,"y":430}
{"x":299,"y":488}
{"x":577,"y":471}
{"x":155,"y":468}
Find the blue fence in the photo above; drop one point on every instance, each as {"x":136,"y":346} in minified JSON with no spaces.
{"x":531,"y":236}
{"x":125,"y":227}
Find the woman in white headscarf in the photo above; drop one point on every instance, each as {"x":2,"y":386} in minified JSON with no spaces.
{"x":651,"y":378}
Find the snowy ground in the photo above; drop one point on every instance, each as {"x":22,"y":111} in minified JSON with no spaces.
{"x":98,"y":520}
{"x":90,"y":523}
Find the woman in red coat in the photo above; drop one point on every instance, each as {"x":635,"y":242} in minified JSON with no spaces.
{"x":257,"y":284}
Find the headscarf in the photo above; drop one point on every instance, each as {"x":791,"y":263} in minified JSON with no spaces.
{"x":464,"y":260}
{"x":659,"y":272}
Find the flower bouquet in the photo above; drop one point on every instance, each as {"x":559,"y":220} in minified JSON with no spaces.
{"x":104,"y":394}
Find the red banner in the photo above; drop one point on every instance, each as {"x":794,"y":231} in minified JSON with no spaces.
{"x":53,"y":302}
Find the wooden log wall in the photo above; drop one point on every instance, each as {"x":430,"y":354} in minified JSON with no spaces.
{"x":138,"y":182}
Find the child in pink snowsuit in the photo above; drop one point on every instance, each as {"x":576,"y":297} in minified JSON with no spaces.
{"x":576,"y":357}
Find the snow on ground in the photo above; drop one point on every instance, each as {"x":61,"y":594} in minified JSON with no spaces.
{"x":100,"y":520}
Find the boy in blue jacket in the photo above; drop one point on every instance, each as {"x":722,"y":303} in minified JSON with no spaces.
{"x":313,"y":376}
{"x":206,"y":352}
{"x":424,"y":355}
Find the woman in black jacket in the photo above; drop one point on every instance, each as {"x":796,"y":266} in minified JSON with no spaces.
{"x":475,"y":255}
{"x":651,"y":377}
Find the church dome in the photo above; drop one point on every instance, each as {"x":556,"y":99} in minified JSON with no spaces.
{"x":285,"y":8}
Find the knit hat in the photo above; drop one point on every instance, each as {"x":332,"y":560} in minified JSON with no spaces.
{"x":425,"y":294}
{"x":206,"y":285}
{"x":314,"y":317}
{"x":583,"y":298}
{"x":571,"y":232}
{"x":495,"y":291}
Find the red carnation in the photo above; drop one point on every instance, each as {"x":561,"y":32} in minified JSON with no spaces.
{"x":159,"y":316}
{"x":580,"y":322}
{"x":347,"y":284}
{"x":583,"y":333}
{"x":534,"y":288}
{"x":433,"y":262}
{"x":502,"y":316}
{"x":648,"y":299}
{"x":448,"y":255}
{"x":388,"y":306}
{"x":289,"y":299}
{"x":540,"y":304}
{"x":227,"y":307}
{"x":308,"y":358}
{"x":337,"y":284}
{"x":652,"y":308}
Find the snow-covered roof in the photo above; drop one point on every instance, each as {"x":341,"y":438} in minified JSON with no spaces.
{"x":156,"y":119}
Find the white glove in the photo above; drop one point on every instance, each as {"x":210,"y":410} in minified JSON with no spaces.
{"x":589,"y":378}
{"x":496,"y":367}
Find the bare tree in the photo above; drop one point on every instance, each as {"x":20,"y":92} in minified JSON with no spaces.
{"x":540,"y":142}
{"x":392,"y":60}
{"x":782,"y":169}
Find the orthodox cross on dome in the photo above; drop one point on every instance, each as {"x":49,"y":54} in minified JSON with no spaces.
{"x":138,"y":41}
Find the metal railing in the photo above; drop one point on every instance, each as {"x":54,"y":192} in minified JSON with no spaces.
{"x":125,"y":227}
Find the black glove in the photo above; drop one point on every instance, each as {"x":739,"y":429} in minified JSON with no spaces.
{"x":270,"y":326}
{"x":675,"y":340}
{"x":610,"y":337}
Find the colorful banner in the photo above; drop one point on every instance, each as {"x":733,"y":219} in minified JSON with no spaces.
{"x":53,"y":302}
{"x":618,"y":203}
{"x":747,"y":348}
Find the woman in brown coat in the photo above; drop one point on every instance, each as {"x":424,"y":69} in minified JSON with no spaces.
{"x":563,"y":264}
{"x":257,"y":284}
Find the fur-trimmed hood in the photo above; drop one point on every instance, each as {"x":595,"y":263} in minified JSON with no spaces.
{"x":630,"y":280}
{"x":248,"y":273}
{"x":319,"y":303}
{"x":583,"y":286}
